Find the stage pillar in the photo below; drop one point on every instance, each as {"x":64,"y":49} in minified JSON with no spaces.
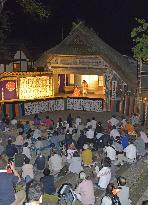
{"x":55,"y":84}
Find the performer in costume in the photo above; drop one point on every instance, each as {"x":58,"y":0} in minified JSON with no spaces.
{"x":84,"y":88}
{"x":76,"y":92}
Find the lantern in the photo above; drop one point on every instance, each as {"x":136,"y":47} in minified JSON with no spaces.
{"x":10,"y":86}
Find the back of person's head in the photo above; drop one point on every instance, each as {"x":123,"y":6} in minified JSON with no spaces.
{"x":47,"y":117}
{"x":109,"y":189}
{"x":9,"y":141}
{"x":39,"y":138}
{"x":106,"y":162}
{"x":26,"y":160}
{"x":121,"y":181}
{"x":34,"y":192}
{"x":88,"y":120}
{"x":113,"y":127}
{"x":25,"y":144}
{"x":46,"y":172}
{"x":145,"y":202}
{"x":93,"y":118}
{"x":82,"y":175}
{"x":113,"y":116}
{"x":110,"y":142}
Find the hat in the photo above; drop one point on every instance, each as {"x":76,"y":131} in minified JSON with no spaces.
{"x":85,"y":146}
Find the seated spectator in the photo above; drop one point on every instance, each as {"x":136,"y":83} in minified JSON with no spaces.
{"x":114,"y":132}
{"x":55,"y":163}
{"x":37,"y":133}
{"x":110,"y":197}
{"x":36,"y":120}
{"x":123,"y":193}
{"x":123,"y":122}
{"x":27,"y":127}
{"x":13,"y":122}
{"x":86,"y":156}
{"x":99,"y":128}
{"x":105,"y":138}
{"x":1,"y":147}
{"x":144,"y":136}
{"x":40,"y":162}
{"x":20,"y":127}
{"x":85,"y":190}
{"x":75,"y":163}
{"x":90,"y":135}
{"x":11,"y":149}
{"x":135,"y":119}
{"x":81,"y":141}
{"x":26,"y":150}
{"x":130,"y":128}
{"x":88,"y":123}
{"x":7,"y":119}
{"x":38,"y":145}
{"x":27,"y":171}
{"x":70,"y":151}
{"x":140,"y":146}
{"x":60,"y":126}
{"x":3,"y":127}
{"x":99,"y":141}
{"x":124,"y":139}
{"x":19,"y":141}
{"x":69,"y":119}
{"x":113,"y":121}
{"x":78,"y":121}
{"x":48,"y":122}
{"x":117,"y":145}
{"x":93,"y":123}
{"x":68,"y":140}
{"x":34,"y":194}
{"x":104,"y":174}
{"x":110,"y":151}
{"x":47,"y":182}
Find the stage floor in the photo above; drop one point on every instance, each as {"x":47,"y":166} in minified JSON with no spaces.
{"x":90,"y":95}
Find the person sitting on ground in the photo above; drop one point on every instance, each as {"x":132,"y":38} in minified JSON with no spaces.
{"x":20,"y":127}
{"x":68,"y":140}
{"x":26,"y":150}
{"x":47,"y":182}
{"x":27,"y":127}
{"x":123,"y":122}
{"x":135,"y":119}
{"x":110,"y":151}
{"x":13,"y":122}
{"x":55,"y":163}
{"x":69,"y":119}
{"x":7,"y":119}
{"x":105,"y":138}
{"x":140,"y":146}
{"x":27,"y":170}
{"x":104,"y":174}
{"x":85,"y":190}
{"x":86,"y":156}
{"x":38,"y":145}
{"x":34,"y":194}
{"x":98,"y":140}
{"x":144,"y":136}
{"x":130,"y":152}
{"x":123,"y":193}
{"x":88,"y":123}
{"x":19,"y":141}
{"x":114,"y":132}
{"x":90,"y":135}
{"x":70,"y":151}
{"x":75,"y":163}
{"x":60,"y":126}
{"x":36,"y":120}
{"x":130,"y":128}
{"x":117,"y":145}
{"x":78,"y":121}
{"x":81,"y":141}
{"x":93,"y":123}
{"x":11,"y":149}
{"x":99,"y":128}
{"x":124,"y":139}
{"x":111,"y":197}
{"x":37,"y":133}
{"x":48,"y":122}
{"x":40,"y":162}
{"x":113,"y":121}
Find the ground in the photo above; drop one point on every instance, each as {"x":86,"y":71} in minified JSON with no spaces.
{"x":136,"y":174}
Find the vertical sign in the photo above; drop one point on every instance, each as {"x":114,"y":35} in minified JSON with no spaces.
{"x":114,"y":89}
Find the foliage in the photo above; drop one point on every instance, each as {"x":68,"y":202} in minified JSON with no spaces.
{"x":34,"y":7}
{"x":139,"y":35}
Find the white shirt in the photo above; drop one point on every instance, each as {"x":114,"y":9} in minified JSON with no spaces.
{"x":104,"y":177}
{"x":114,"y":133}
{"x":88,"y":124}
{"x":55,"y":163}
{"x":113,"y":121}
{"x":26,"y":151}
{"x":13,"y":122}
{"x":78,"y":121}
{"x":99,"y":135}
{"x":124,"y":195}
{"x":90,"y":134}
{"x":106,"y":201}
{"x":37,"y":133}
{"x":130,"y":151}
{"x":93,"y":123}
{"x":27,"y":170}
{"x":110,"y":152}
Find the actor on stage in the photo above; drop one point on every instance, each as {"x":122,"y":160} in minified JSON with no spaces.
{"x":84,"y":87}
{"x":76,"y":92}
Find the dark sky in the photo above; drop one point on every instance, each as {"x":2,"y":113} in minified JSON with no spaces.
{"x":112,"y":20}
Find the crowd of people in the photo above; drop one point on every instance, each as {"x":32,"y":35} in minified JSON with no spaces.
{"x":48,"y":149}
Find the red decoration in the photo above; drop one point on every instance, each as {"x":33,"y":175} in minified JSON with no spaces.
{"x":10,"y":86}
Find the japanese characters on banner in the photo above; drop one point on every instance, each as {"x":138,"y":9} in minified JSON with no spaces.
{"x":85,"y":104}
{"x":114,"y":89}
{"x":43,"y":106}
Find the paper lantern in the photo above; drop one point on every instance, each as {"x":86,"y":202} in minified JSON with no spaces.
{"x":10,"y":86}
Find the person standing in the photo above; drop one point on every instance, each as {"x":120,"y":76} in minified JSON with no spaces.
{"x":84,"y":88}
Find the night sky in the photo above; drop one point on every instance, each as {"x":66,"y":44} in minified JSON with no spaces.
{"x":112,"y":20}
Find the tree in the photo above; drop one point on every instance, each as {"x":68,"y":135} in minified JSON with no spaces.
{"x":139,"y":35}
